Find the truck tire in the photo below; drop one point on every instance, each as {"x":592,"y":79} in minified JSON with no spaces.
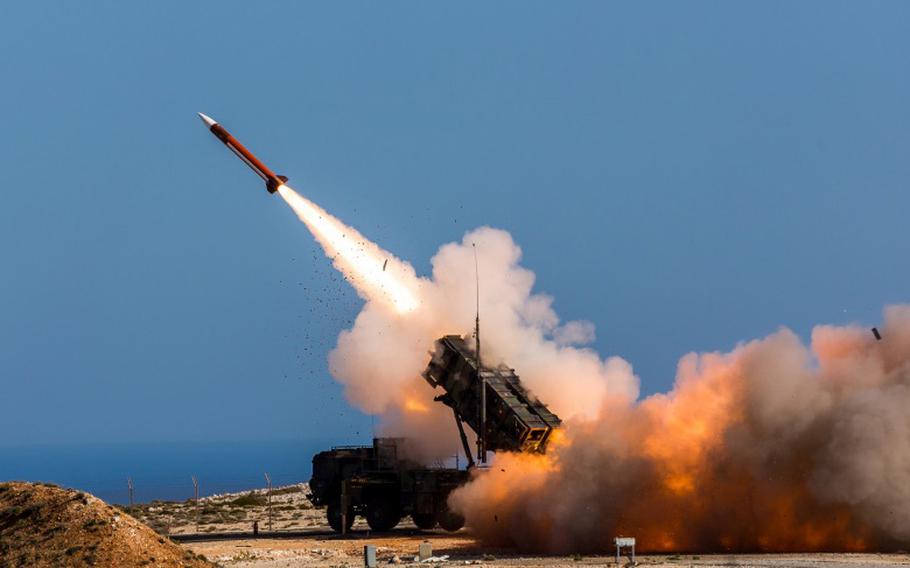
{"x":451,"y":521}
{"x":383,"y":514}
{"x":333,"y":515}
{"x":424,"y":521}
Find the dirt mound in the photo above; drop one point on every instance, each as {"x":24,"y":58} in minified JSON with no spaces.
{"x":44,"y":525}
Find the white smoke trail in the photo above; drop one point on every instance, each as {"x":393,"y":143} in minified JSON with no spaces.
{"x":376,"y":274}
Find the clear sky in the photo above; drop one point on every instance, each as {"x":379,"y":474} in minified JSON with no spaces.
{"x":684,"y":175}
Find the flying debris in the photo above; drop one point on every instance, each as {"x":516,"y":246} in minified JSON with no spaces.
{"x":384,"y":264}
{"x":877,"y":334}
{"x":272,"y":181}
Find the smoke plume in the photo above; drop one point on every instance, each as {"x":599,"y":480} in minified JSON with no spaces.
{"x":774,"y":446}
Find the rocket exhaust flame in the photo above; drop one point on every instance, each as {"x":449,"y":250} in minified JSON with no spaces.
{"x":775,"y":446}
{"x":363,"y":263}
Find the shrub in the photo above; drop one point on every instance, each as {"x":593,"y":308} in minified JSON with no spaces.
{"x":249,"y":500}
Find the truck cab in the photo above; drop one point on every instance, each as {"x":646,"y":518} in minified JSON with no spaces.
{"x":379,"y":483}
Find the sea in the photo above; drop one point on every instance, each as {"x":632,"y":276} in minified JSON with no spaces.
{"x":163,"y":471}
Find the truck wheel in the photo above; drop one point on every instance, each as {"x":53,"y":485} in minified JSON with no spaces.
{"x":382,"y":515}
{"x":424,"y":521}
{"x":451,"y":521}
{"x":333,"y":514}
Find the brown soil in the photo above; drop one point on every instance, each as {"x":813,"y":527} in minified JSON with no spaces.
{"x":44,"y":525}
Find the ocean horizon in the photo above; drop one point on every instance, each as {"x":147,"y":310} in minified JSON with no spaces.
{"x":164,"y":471}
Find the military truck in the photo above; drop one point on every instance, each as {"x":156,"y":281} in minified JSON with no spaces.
{"x":381,"y":483}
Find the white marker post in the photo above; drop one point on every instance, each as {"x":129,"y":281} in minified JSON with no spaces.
{"x":627,"y":543}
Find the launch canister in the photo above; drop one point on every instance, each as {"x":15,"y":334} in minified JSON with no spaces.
{"x":272,"y":181}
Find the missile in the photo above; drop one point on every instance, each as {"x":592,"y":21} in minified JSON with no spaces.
{"x":271,"y":180}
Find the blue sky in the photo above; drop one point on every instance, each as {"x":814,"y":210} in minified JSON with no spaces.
{"x":684,"y":175}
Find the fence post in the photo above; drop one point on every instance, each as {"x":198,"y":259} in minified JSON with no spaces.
{"x":269,"y":481}
{"x":196,"y":499}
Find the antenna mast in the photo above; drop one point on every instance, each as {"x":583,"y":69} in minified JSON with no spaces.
{"x":482,"y":381}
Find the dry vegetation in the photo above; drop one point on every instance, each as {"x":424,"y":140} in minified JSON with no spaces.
{"x":232,"y":512}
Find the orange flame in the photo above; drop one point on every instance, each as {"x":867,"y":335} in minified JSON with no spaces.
{"x":414,"y":405}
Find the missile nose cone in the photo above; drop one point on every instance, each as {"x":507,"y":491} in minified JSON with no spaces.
{"x":207,"y":120}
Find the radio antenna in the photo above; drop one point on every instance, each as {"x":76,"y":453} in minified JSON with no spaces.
{"x":482,"y":381}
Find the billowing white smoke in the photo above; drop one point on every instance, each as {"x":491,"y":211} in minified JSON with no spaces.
{"x":380,"y":358}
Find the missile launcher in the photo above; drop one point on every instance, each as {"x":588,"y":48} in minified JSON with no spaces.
{"x":516,"y":421}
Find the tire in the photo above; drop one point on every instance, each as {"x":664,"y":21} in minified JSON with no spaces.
{"x":333,"y":515}
{"x":451,"y":521}
{"x":383,"y":514}
{"x":424,"y":521}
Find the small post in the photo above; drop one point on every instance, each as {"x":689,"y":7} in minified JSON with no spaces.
{"x":369,"y":556}
{"x":424,"y":550}
{"x":627,"y":543}
{"x":129,"y":484}
{"x":196,"y":499}
{"x":268,"y":480}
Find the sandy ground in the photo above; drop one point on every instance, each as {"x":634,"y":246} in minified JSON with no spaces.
{"x":332,"y":551}
{"x":301,"y":537}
